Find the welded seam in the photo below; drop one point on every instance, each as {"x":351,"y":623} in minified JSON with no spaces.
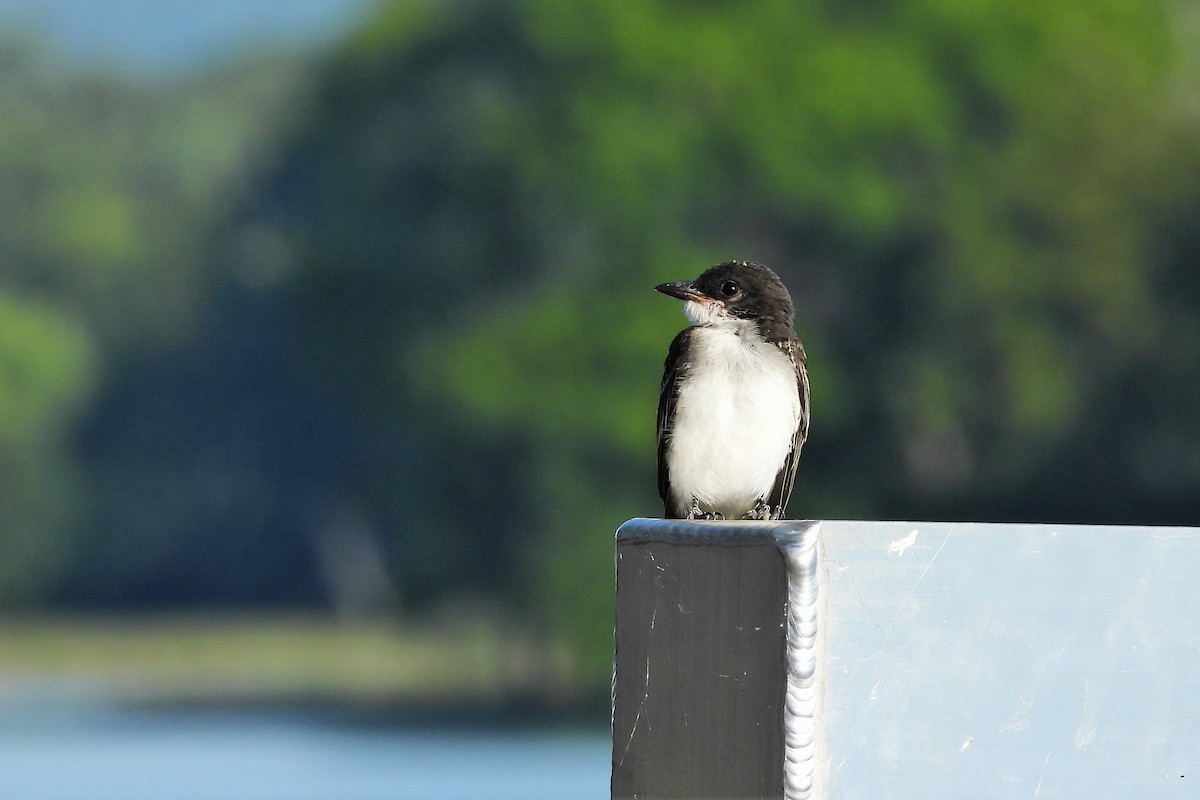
{"x":802,"y":704}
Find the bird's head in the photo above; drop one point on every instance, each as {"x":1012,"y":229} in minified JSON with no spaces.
{"x":733,"y":292}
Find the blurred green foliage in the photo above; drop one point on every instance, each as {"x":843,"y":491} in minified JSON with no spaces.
{"x":377,"y":324}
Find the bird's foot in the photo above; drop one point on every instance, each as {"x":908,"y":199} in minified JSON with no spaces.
{"x":695,"y":512}
{"x":761,"y":511}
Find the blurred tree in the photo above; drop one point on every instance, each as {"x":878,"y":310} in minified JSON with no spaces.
{"x":111,"y":192}
{"x":46,"y":377}
{"x":112,"y":188}
{"x":962,"y":199}
{"x":208,"y":453}
{"x":409,"y":306}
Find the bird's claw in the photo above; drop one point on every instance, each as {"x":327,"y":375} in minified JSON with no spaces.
{"x":695,"y":512}
{"x":761,"y":511}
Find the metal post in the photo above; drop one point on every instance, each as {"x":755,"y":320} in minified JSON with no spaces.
{"x":906,"y":660}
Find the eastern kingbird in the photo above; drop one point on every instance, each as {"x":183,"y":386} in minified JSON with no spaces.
{"x":733,"y":406}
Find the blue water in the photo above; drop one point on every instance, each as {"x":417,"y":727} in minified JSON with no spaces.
{"x":95,"y":755}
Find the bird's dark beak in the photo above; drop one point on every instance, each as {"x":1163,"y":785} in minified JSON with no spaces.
{"x":684,"y":290}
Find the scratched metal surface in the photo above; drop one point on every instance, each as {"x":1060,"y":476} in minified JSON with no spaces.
{"x":995,"y":661}
{"x":700,"y":666}
{"x":716,"y":683}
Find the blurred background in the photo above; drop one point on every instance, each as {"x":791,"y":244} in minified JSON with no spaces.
{"x":329,"y":353}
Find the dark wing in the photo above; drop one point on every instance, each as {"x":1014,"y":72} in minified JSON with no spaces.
{"x":668,"y":394}
{"x":786,"y":478}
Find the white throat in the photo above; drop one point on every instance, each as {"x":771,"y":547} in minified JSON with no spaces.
{"x":702,"y":313}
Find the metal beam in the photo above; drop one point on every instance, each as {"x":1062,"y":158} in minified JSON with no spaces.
{"x":906,"y":660}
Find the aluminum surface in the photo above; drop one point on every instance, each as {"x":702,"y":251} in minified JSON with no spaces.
{"x":981,"y":661}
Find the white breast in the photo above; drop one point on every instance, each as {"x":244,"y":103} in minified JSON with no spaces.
{"x":737,"y":412}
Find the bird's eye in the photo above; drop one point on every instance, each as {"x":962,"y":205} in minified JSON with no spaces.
{"x":730,"y":288}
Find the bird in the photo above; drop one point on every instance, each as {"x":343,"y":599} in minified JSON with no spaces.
{"x":733,"y":406}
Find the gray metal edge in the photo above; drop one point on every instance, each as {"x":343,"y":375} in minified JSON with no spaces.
{"x":786,"y":533}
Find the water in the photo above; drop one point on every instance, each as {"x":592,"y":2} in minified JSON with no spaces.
{"x":108,"y":755}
